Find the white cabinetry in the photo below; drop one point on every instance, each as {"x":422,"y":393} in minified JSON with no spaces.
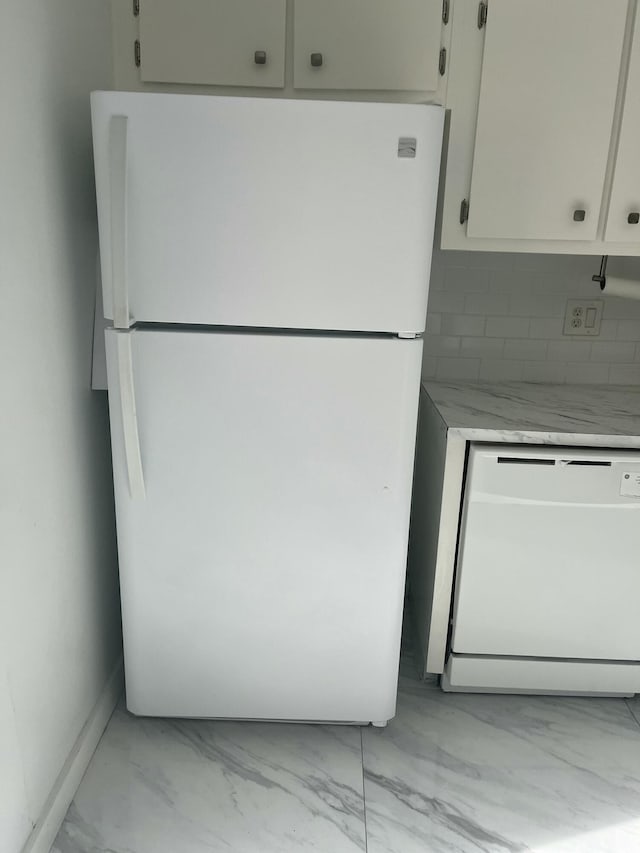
{"x":623,"y":220}
{"x":545,"y":126}
{"x":215,"y":42}
{"x":368,"y":44}
{"x":547,"y":97}
{"x":363,"y":46}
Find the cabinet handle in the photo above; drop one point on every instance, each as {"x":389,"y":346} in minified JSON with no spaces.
{"x":260,"y":57}
{"x":633,"y":218}
{"x":316,"y":60}
{"x":579,"y":215}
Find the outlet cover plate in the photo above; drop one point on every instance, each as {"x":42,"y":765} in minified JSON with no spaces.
{"x":583,"y":317}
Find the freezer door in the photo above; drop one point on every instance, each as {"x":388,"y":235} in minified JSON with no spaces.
{"x":262,"y":490}
{"x":548,"y":554}
{"x":265,"y":212}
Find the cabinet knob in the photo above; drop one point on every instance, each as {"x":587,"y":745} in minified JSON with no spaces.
{"x":579,"y":215}
{"x":316,"y":60}
{"x":633,"y":218}
{"x":260,"y":57}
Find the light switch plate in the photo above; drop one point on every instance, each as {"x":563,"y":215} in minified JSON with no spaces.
{"x":583,"y":317}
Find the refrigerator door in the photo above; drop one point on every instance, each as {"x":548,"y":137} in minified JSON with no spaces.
{"x":548,"y":563}
{"x":262,"y":489}
{"x":265,"y":212}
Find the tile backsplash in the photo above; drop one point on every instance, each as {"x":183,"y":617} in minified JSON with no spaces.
{"x":500,"y":317}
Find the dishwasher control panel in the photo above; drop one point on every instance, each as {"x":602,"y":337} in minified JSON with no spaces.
{"x":630,"y":484}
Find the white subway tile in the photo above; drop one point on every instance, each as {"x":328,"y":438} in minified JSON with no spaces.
{"x":441,"y":302}
{"x":615,"y":353}
{"x":498,"y":370}
{"x":544,"y":371}
{"x":499,"y":315}
{"x":546,"y":329}
{"x":621,"y":309}
{"x":436,"y":277}
{"x":481,"y":347}
{"x":563,"y":284}
{"x":536,"y":305}
{"x":569,"y":349}
{"x":559,"y":264}
{"x":441,"y":345}
{"x":625,"y":267}
{"x":487,"y":303}
{"x":458,"y":368}
{"x":608,"y":330}
{"x":433,"y":324}
{"x":629,"y":330}
{"x":507,"y":327}
{"x":463,"y":324}
{"x":511,"y":281}
{"x":587,"y":374}
{"x":466,"y":280}
{"x":476,"y":260}
{"x":624,"y":374}
{"x":525,"y":350}
{"x":429,"y":364}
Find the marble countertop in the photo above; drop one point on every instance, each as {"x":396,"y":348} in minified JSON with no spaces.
{"x":530,"y":413}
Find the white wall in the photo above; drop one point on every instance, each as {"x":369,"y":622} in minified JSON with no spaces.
{"x":499,"y":317}
{"x":59,"y":611}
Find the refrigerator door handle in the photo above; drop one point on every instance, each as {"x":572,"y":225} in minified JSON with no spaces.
{"x":118,"y":193}
{"x":129,"y":416}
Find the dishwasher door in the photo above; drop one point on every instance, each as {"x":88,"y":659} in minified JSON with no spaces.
{"x":549,"y":554}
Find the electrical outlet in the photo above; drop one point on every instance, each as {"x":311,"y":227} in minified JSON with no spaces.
{"x":583,"y":317}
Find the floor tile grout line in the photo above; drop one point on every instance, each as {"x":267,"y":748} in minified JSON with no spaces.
{"x":631,"y":711}
{"x":364,"y":795}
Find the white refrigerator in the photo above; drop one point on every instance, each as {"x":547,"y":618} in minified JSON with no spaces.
{"x":265,"y":268}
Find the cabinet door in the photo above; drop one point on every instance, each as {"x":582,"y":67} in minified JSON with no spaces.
{"x":547,"y":98}
{"x":623,"y":223}
{"x":367,"y":44}
{"x":215,"y":42}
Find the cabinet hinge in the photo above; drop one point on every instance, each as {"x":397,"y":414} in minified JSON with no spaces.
{"x":483,"y":9}
{"x":136,"y":7}
{"x":442,"y":65}
{"x":446,"y":5}
{"x":136,"y":52}
{"x":464,"y":211}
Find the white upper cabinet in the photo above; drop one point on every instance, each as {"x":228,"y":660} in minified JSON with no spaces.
{"x":368,"y":44}
{"x":213,"y":42}
{"x":623,"y":221}
{"x":544,"y":101}
{"x":548,"y":92}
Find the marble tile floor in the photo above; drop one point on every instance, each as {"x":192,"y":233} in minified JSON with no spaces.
{"x":451,"y":772}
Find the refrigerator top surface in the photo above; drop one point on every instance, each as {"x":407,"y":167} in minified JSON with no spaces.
{"x":265,"y":212}
{"x":300,"y":106}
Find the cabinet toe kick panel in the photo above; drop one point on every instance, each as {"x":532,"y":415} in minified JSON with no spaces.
{"x":483,"y":674}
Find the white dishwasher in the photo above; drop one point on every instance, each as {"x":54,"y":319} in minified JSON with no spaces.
{"x":547,"y":593}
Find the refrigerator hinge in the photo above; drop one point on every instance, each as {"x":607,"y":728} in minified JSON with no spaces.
{"x":136,"y":7}
{"x":408,"y":336}
{"x":445,"y":11}
{"x":136,"y":52}
{"x":483,"y":9}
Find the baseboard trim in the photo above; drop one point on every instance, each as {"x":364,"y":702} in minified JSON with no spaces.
{"x":54,"y":810}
